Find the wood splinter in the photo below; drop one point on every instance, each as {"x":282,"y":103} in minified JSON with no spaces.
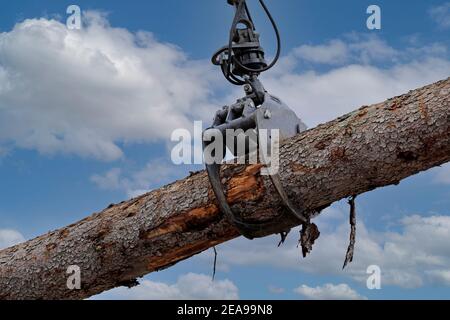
{"x":351,"y":246}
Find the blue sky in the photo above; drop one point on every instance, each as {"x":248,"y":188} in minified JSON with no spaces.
{"x":61,"y":158}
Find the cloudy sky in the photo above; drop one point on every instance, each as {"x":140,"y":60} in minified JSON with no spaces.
{"x":86,"y":118}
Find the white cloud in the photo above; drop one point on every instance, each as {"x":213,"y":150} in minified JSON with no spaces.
{"x":188,"y":287}
{"x":318,"y":98}
{"x":135,"y":183}
{"x":329,"y":292}
{"x":85,"y":92}
{"x":109,"y":181}
{"x":355,"y":48}
{"x":9,"y":238}
{"x":364,"y":70}
{"x":442,"y":174}
{"x":440,"y":277}
{"x":334,"y":52}
{"x":407,"y":258}
{"x":441,"y":15}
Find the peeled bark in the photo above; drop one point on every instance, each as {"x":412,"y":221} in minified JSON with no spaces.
{"x":375,"y":146}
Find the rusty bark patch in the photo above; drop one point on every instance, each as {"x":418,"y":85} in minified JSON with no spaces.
{"x":197,"y":218}
{"x":246,"y":186}
{"x":394,"y":105}
{"x":363,"y":112}
{"x":338,"y":153}
{"x":173,"y":256}
{"x":423,"y":110}
{"x":63,"y":234}
{"x":324,"y":143}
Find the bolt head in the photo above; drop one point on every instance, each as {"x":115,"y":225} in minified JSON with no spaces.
{"x":267,"y":114}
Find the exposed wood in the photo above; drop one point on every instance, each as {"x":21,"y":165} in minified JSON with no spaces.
{"x":372,"y":147}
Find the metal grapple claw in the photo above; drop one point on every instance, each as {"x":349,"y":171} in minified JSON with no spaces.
{"x":254,"y":124}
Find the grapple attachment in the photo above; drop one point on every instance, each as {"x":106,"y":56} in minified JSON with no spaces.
{"x":252,"y":131}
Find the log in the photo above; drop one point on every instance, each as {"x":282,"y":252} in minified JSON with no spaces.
{"x":372,"y":147}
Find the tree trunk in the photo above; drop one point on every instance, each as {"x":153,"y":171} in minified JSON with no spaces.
{"x":372,"y":147}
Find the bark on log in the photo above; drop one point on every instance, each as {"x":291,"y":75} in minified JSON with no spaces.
{"x":375,"y":146}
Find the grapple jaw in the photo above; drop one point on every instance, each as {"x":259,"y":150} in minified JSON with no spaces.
{"x":256,"y":126}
